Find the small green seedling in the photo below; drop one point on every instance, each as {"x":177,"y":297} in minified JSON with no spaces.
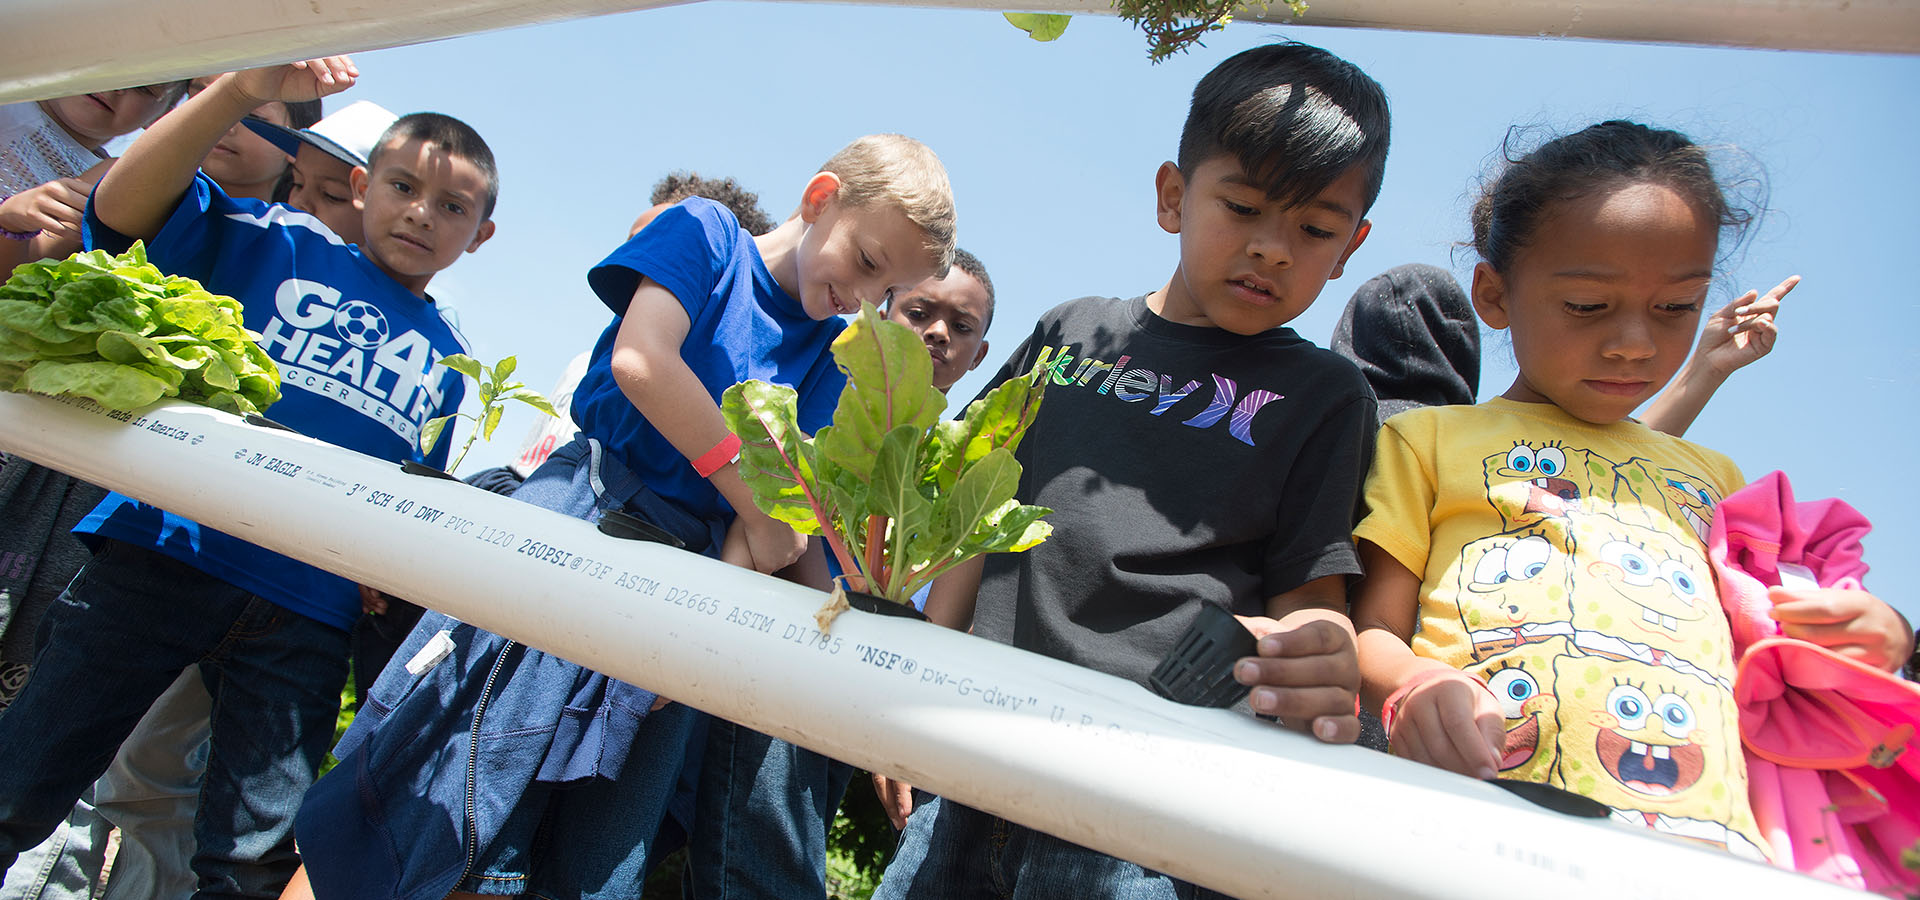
{"x":495,"y":390}
{"x":899,"y":494}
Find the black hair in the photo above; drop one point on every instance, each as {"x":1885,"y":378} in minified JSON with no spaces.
{"x":450,"y":134}
{"x":1294,"y":116}
{"x":1512,"y":205}
{"x":302,"y":113}
{"x":971,"y":264}
{"x":745,"y":204}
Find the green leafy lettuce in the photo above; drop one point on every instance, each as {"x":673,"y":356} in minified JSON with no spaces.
{"x":900,"y":495}
{"x":115,"y":330}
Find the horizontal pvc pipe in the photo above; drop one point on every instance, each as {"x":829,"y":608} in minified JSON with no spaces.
{"x":58,"y":47}
{"x":1208,"y":795}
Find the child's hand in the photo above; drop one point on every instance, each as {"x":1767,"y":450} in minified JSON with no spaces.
{"x":372,"y":602}
{"x":1744,"y":330}
{"x":1307,"y":675}
{"x":1852,"y":623}
{"x":762,"y":543}
{"x":896,"y":797}
{"x":1447,"y":718}
{"x":56,"y":208}
{"x":309,"y":80}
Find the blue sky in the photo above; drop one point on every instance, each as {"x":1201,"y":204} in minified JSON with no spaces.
{"x":1052,"y":150}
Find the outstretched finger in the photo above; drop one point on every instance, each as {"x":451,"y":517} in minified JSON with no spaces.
{"x":1770,"y":301}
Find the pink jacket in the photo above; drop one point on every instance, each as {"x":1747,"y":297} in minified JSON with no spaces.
{"x":1833,"y":789}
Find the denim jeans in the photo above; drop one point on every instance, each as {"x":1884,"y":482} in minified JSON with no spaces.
{"x":951,"y":852}
{"x":150,"y":794}
{"x":761,"y":817}
{"x":126,"y":627}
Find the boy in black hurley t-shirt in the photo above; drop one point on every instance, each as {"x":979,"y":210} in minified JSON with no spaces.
{"x":1194,"y":451}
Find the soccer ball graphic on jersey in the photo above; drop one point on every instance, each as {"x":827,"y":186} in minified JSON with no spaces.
{"x":360,"y":324}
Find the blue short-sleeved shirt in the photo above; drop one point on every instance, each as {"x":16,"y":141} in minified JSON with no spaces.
{"x":743,"y":326}
{"x":356,"y":353}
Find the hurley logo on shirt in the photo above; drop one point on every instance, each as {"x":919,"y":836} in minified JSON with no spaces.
{"x":1135,"y":384}
{"x":346,"y":349}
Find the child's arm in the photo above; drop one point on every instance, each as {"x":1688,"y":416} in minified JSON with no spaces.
{"x":950,"y":605}
{"x":1440,"y":716}
{"x":1740,"y":333}
{"x":1852,"y":623}
{"x":951,"y":600}
{"x":648,"y":368}
{"x":1306,"y":673}
{"x":142,"y":189}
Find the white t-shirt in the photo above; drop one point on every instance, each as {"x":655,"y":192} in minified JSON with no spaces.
{"x":34,"y":149}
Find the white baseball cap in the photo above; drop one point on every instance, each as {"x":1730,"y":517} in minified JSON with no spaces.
{"x":348,"y":135}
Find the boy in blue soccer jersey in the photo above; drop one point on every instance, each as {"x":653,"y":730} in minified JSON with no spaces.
{"x":1194,"y":451}
{"x":356,"y":339}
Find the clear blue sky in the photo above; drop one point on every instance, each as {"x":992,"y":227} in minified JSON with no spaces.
{"x":1052,"y":150}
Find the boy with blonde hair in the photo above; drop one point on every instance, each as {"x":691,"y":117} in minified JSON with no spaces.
{"x":574,"y":769}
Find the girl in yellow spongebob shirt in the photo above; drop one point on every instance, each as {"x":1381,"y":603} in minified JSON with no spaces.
{"x":1548,"y":546}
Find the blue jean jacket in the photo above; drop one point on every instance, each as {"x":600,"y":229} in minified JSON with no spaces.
{"x":434,"y":763}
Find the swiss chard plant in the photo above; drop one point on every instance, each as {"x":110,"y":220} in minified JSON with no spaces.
{"x":496,"y":387}
{"x":899,"y":494}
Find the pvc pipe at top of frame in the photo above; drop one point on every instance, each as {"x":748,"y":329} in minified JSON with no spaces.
{"x":59,"y":47}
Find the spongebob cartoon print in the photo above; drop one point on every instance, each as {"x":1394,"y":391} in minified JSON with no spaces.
{"x":1529,"y":484}
{"x":1656,"y":746}
{"x":1514,"y":589}
{"x":1521,"y":679}
{"x":1593,"y":620}
{"x":1644,"y":492}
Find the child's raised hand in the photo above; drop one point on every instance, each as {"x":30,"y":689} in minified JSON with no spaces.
{"x":1744,"y":330}
{"x":308,"y":80}
{"x":1852,"y":623}
{"x":1308,"y":675}
{"x":1444,"y":717}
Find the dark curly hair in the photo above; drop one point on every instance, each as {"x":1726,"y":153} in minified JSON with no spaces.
{"x":745,"y":204}
{"x":1513,"y":203}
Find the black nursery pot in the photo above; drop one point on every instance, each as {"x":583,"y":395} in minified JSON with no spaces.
{"x":1198,"y":671}
{"x":866,"y":602}
{"x":412,"y":467}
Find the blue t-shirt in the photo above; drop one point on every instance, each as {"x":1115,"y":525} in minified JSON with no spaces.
{"x":356,"y":353}
{"x":743,"y":326}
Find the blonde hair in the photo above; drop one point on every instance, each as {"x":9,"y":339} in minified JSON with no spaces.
{"x":896,"y":169}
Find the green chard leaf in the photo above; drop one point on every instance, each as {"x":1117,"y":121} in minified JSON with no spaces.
{"x":776,"y":452}
{"x":889,"y":384}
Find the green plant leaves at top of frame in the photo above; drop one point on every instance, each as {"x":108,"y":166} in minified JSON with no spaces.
{"x":776,"y":458}
{"x":1040,"y":26}
{"x":889,"y":384}
{"x":504,"y":369}
{"x":465,"y":365}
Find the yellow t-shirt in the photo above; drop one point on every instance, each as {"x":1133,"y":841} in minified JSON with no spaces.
{"x":1564,"y":564}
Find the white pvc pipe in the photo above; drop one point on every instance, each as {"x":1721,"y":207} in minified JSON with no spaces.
{"x":57,"y":47}
{"x":1207,"y":795}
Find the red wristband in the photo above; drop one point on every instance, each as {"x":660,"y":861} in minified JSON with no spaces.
{"x":722,"y":453}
